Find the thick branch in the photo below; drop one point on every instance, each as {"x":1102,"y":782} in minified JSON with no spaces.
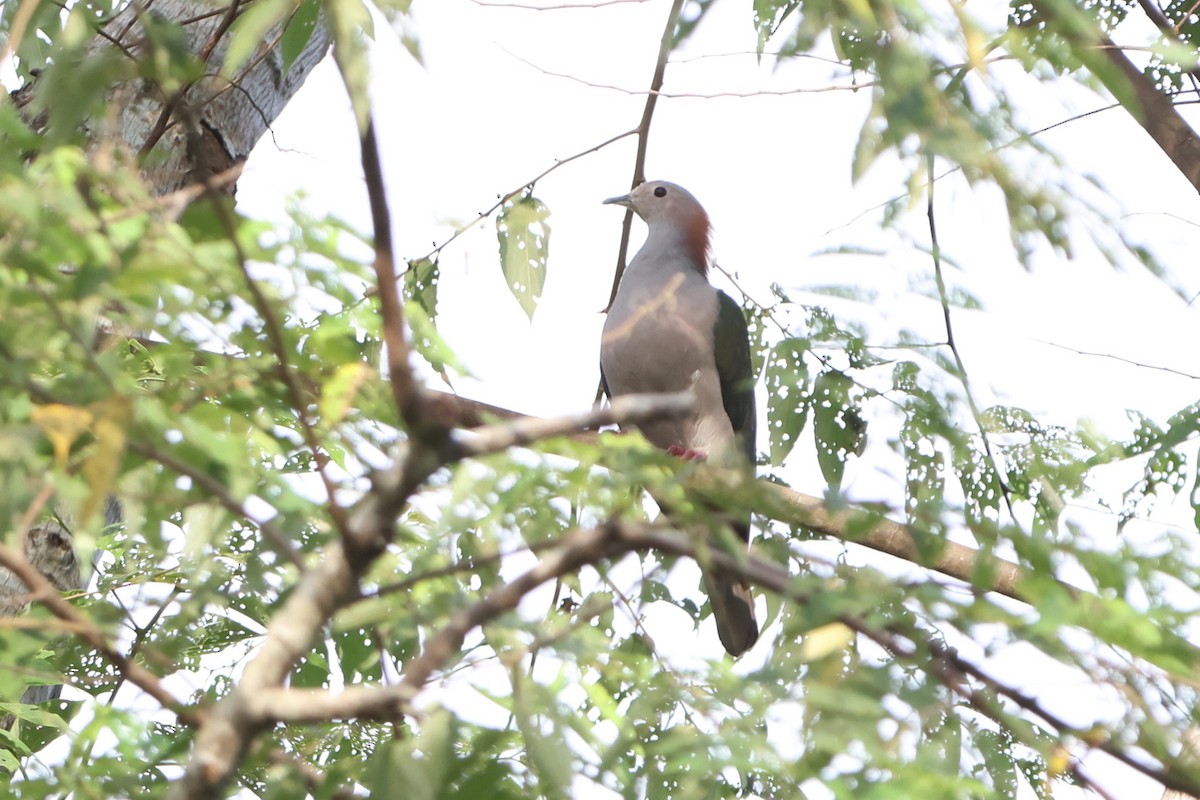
{"x":395,"y":336}
{"x":259,"y":697}
{"x":886,"y":536}
{"x":849,"y":524}
{"x":1155,"y":112}
{"x":578,"y":548}
{"x":633,"y":408}
{"x":223,"y":740}
{"x":311,"y":706}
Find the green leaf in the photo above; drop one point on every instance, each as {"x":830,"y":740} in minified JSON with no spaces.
{"x":788,"y":396}
{"x":299,"y":31}
{"x":250,"y":30}
{"x":524,"y":239}
{"x":429,"y":343}
{"x":549,"y":755}
{"x":421,"y":285}
{"x":338,"y":393}
{"x":837,"y":426}
{"x":419,"y":767}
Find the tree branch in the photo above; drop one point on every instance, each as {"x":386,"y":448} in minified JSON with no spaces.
{"x":634,"y":408}
{"x":643,"y":133}
{"x":1154,"y":111}
{"x":224,"y":738}
{"x":395,"y":335}
{"x":578,"y":548}
{"x":310,"y":706}
{"x":786,"y":505}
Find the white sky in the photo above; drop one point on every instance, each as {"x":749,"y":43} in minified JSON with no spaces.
{"x":482,"y":115}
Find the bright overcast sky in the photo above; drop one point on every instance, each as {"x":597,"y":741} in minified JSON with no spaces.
{"x":490,"y":109}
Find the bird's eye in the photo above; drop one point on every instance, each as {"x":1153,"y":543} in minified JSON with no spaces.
{"x":660,"y":191}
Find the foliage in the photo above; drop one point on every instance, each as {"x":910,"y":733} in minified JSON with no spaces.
{"x":524,"y":236}
{"x":238,"y":428}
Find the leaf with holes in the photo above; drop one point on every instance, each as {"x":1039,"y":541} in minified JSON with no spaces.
{"x":837,"y":426}
{"x":421,"y":285}
{"x":524,"y":248}
{"x":788,"y":396}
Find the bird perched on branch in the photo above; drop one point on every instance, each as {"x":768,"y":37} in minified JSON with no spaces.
{"x":670,"y":330}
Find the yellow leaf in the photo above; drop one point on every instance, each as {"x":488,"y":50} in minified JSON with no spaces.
{"x":100,"y":469}
{"x":825,"y":640}
{"x":1058,"y":762}
{"x":62,"y":425}
{"x":337,"y":395}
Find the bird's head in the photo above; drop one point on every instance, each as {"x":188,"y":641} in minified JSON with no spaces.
{"x":668,"y":206}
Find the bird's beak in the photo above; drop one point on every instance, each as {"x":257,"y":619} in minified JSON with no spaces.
{"x":623,"y":200}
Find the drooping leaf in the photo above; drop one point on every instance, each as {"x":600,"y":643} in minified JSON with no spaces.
{"x":837,"y":426}
{"x":421,"y":285}
{"x":524,"y":236}
{"x":789,"y":396}
{"x":112,"y":419}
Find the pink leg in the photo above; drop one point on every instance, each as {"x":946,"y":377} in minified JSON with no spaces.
{"x":687,"y":453}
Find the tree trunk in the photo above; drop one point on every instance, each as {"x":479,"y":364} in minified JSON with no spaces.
{"x":207,"y":126}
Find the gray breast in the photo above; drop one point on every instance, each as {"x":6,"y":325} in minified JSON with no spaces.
{"x":659,"y":338}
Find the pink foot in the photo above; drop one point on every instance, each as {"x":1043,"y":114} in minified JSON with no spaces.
{"x":687,"y":453}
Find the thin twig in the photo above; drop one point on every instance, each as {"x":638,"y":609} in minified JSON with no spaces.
{"x":504,"y":198}
{"x":643,"y":134}
{"x":1091,"y":737}
{"x":1122,"y":359}
{"x":935,"y":252}
{"x":139,"y":639}
{"x":850,"y":87}
{"x":220,"y":492}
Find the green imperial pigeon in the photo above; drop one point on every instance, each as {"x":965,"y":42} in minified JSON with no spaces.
{"x":670,"y":330}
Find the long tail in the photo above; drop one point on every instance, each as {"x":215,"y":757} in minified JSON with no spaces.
{"x":733,"y":606}
{"x":731,"y":599}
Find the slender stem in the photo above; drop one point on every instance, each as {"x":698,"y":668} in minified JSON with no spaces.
{"x":643,"y":133}
{"x":935,"y":252}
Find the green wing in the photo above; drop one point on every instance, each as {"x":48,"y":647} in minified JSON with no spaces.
{"x":732,"y":348}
